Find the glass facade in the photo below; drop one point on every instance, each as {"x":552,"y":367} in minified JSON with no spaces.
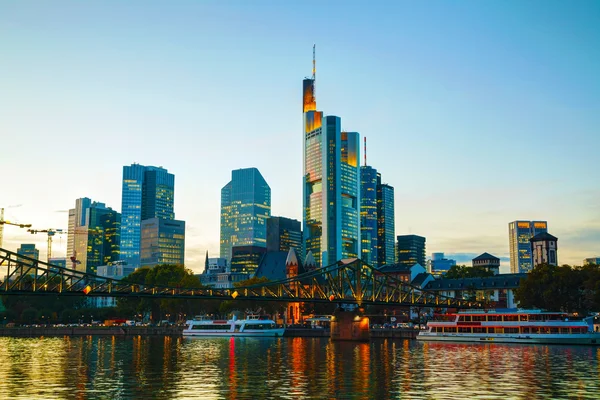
{"x":245,"y":259}
{"x":245,"y":209}
{"x":148,"y":192}
{"x":331,"y":188}
{"x":411,"y":250}
{"x":368,"y":216}
{"x":162,"y":242}
{"x":283,"y":234}
{"x":103,"y":232}
{"x":519,"y":233}
{"x":28,"y":250}
{"x":386,"y":227}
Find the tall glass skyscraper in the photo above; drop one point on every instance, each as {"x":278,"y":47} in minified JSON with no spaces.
{"x":331,"y":188}
{"x":283,"y":234}
{"x":519,"y":233}
{"x":148,"y":192}
{"x":77,"y":219}
{"x":103,"y":230}
{"x":411,"y":250}
{"x":386,"y":226}
{"x":369,"y":216}
{"x":245,"y":208}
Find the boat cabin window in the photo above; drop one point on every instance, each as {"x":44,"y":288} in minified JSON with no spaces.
{"x":207,"y":327}
{"x":511,"y":318}
{"x":523,"y":317}
{"x":260,"y":326}
{"x":479,"y":317}
{"x":466,"y":318}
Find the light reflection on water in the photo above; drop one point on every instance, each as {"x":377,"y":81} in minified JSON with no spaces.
{"x":222,"y":368}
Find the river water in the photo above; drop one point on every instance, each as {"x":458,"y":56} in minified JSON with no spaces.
{"x":292,"y":368}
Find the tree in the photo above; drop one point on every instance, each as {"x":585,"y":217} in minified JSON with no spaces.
{"x":462,"y":271}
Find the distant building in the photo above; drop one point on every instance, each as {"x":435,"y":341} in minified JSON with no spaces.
{"x":284,"y":234}
{"x":148,"y":192}
{"x":519,"y":233}
{"x":114,"y":271}
{"x":368,"y":216}
{"x":331,"y":184}
{"x":386,"y":243}
{"x":403,"y":272}
{"x":58,"y":261}
{"x":215,"y":264}
{"x":497,"y":289}
{"x":28,"y":250}
{"x":411,"y":250}
{"x":487,"y":261}
{"x":245,"y":259}
{"x":544,"y":248}
{"x":217,"y":274}
{"x":245,"y":209}
{"x":592,"y":260}
{"x":162,"y":242}
{"x":77,"y":219}
{"x":439,"y":265}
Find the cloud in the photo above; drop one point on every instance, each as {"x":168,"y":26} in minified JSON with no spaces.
{"x":61,"y":211}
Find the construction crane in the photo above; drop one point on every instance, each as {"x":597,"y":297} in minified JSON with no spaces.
{"x":51,"y":233}
{"x":3,"y":222}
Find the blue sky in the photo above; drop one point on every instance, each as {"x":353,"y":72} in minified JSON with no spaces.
{"x":478,"y":113}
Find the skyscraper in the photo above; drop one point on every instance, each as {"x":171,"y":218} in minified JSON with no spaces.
{"x":162,"y":242}
{"x":148,"y":192}
{"x":386,"y":233}
{"x":245,"y":209}
{"x":331,"y":188}
{"x":519,"y":233}
{"x":283,"y":234}
{"x":369,"y":216}
{"x":28,"y":250}
{"x":77,"y":219}
{"x":411,"y":250}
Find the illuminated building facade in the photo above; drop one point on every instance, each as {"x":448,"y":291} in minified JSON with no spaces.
{"x":28,"y":250}
{"x":245,"y":259}
{"x":411,"y":250}
{"x":148,"y":192}
{"x":283,"y":234}
{"x":162,"y":242}
{"x":519,"y":233}
{"x":331,"y":188}
{"x":386,"y":229}
{"x":103,"y":230}
{"x":245,"y":209}
{"x":75,"y":233}
{"x":369,"y":216}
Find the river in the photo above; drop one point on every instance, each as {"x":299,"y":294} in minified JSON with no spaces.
{"x":292,"y":368}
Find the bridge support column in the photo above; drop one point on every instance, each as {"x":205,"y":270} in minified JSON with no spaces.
{"x":349,"y":323}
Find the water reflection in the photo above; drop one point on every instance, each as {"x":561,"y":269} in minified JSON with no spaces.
{"x":241,"y":368}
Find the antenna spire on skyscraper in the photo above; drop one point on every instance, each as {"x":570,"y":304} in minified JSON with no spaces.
{"x":365,"y":151}
{"x":314,"y":74}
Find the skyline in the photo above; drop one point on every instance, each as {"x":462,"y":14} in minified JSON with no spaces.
{"x":451,"y":119}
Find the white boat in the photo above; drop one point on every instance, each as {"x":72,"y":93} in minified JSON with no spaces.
{"x":251,"y":326}
{"x":510,"y":326}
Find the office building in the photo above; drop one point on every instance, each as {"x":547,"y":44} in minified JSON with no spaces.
{"x":162,"y":242}
{"x":148,"y":192}
{"x":386,"y":242}
{"x":592,"y":260}
{"x":28,"y":250}
{"x":77,"y":219}
{"x":331,"y":187}
{"x":369,"y":216}
{"x":544,"y":249}
{"x":519,"y":233}
{"x":245,"y":209}
{"x":439,"y":264}
{"x":487,"y":261}
{"x":283,"y":234}
{"x":411,"y":250}
{"x":245,"y":259}
{"x":59,"y":262}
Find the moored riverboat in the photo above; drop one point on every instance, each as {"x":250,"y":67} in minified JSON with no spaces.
{"x":252,"y":326}
{"x":510,"y":326}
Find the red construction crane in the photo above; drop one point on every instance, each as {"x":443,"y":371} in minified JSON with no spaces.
{"x":51,"y":233}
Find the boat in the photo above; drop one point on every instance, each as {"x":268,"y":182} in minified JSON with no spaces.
{"x":253,"y":326}
{"x":510,"y":326}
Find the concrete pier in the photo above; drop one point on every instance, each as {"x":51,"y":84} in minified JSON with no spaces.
{"x":349,"y":325}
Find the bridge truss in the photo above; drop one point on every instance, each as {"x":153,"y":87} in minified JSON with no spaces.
{"x":347,"y":281}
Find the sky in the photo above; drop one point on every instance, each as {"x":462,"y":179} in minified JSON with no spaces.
{"x":478,"y":113}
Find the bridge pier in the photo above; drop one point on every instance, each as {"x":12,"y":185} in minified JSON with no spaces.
{"x":349,"y":323}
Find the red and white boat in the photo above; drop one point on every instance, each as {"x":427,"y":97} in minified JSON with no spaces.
{"x":510,"y":326}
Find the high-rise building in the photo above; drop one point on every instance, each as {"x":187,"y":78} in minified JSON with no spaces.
{"x":331,"y":188}
{"x":148,"y":192}
{"x":28,"y":250}
{"x":544,"y":249}
{"x":369,"y":216}
{"x":411,"y":250}
{"x":245,"y":259}
{"x":283,"y":234}
{"x":386,"y":234}
{"x":591,"y":260}
{"x":519,"y":233}
{"x":77,"y":219}
{"x":162,"y":242}
{"x":245,"y":209}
